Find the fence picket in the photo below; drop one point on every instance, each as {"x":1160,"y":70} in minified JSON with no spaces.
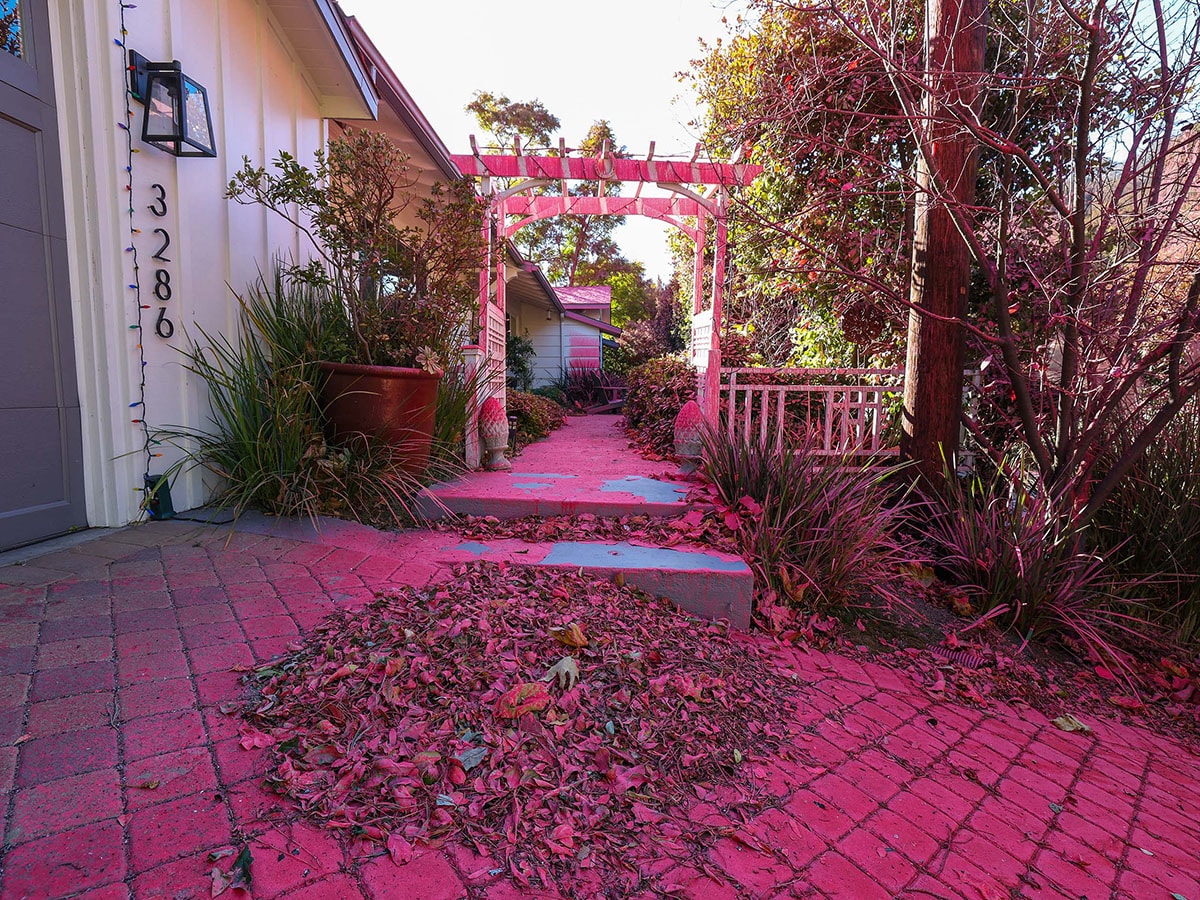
{"x":849,"y":417}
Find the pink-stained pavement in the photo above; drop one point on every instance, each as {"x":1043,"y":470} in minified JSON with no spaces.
{"x":120,"y":772}
{"x":584,"y":467}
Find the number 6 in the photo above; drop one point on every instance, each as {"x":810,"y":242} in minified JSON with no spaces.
{"x":163,"y":326}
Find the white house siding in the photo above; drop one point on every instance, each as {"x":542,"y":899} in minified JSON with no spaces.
{"x":261,"y":102}
{"x":547,"y":365}
{"x":583,"y":345}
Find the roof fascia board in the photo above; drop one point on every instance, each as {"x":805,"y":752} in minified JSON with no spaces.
{"x":335,"y":21}
{"x":588,"y":320}
{"x":396,"y":95}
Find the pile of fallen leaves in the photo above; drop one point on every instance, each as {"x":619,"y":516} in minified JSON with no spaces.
{"x":704,"y":527}
{"x":548,"y":720}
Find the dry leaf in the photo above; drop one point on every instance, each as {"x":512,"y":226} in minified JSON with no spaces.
{"x":220,"y":882}
{"x":399,"y":849}
{"x":240,"y":873}
{"x":566,"y":670}
{"x":1068,"y":722}
{"x":571,"y":636}
{"x":529,"y":697}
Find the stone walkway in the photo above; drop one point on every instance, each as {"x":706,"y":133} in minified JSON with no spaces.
{"x":120,"y":773}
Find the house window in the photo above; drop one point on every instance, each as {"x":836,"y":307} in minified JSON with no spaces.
{"x":10,"y":26}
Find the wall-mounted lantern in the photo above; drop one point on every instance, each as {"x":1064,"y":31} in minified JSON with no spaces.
{"x":177,"y":117}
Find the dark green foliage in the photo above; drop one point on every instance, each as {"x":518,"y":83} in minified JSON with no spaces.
{"x":823,"y":533}
{"x":657,"y":391}
{"x":519,"y":354}
{"x":532,"y":418}
{"x":266,"y":441}
{"x":551,"y":392}
{"x":1150,"y":526}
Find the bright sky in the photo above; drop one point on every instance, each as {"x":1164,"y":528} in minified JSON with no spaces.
{"x":613,"y":60}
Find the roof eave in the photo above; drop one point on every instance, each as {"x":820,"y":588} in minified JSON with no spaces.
{"x":596,"y":323}
{"x":317,"y":33}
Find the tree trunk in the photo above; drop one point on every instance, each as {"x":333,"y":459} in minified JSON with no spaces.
{"x":955,"y":39}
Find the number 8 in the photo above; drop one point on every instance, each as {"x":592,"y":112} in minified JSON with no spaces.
{"x":162,"y":284}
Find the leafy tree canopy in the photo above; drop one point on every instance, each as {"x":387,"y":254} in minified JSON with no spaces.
{"x":572,"y":250}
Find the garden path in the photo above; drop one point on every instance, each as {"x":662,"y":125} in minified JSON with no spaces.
{"x":120,"y":773}
{"x":586,"y":466}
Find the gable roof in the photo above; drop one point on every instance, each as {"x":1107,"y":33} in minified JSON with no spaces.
{"x":602,"y":327}
{"x":316,"y":30}
{"x":585,"y":296}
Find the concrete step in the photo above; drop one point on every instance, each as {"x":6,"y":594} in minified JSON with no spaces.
{"x":513,"y":495}
{"x":704,"y":582}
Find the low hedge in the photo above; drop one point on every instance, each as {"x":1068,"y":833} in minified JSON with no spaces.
{"x":532,"y":418}
{"x":657,"y":391}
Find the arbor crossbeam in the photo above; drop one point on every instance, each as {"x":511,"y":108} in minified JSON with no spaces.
{"x":606,"y":168}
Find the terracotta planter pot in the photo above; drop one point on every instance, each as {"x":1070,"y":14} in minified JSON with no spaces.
{"x":394,"y":404}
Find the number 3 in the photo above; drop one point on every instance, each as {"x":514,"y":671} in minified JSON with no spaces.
{"x":159,"y":206}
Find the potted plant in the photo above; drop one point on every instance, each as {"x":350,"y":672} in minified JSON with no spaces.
{"x":402,"y":295}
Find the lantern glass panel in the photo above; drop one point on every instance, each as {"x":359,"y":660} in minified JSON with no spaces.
{"x":196,"y":118}
{"x":162,"y":108}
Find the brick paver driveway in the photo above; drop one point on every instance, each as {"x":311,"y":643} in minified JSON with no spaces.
{"x":120,"y":772}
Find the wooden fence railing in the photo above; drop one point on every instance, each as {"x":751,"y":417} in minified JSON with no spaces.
{"x":851,"y":410}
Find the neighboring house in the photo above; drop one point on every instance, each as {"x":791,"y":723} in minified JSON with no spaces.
{"x":568,"y":330}
{"x":82,"y":385}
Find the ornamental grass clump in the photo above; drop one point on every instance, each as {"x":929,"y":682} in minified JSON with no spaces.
{"x":265,"y":442}
{"x":1150,"y":526}
{"x":1022,"y":565}
{"x":557,"y":724}
{"x":822,"y":532}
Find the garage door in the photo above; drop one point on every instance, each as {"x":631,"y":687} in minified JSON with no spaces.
{"x":41,"y":482}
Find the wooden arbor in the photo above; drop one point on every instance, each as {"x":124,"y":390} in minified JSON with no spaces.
{"x":514,"y":206}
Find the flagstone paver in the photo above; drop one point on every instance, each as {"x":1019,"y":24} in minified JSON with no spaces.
{"x":120,"y":772}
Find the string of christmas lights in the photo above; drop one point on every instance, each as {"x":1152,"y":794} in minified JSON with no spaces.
{"x":135,"y":284}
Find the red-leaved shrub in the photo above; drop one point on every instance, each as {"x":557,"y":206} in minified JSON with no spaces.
{"x":657,"y":391}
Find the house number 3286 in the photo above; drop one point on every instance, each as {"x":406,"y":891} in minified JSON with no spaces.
{"x":163,"y":326}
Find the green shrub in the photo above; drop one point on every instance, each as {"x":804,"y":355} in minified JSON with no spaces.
{"x":820,"y":531}
{"x":551,"y":392}
{"x":519,"y":355}
{"x":532,"y":418}
{"x":1021,"y":564}
{"x":266,"y":441}
{"x":657,"y":391}
{"x":1150,"y":526}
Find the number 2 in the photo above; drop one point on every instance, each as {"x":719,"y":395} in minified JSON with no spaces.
{"x":166,"y":238}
